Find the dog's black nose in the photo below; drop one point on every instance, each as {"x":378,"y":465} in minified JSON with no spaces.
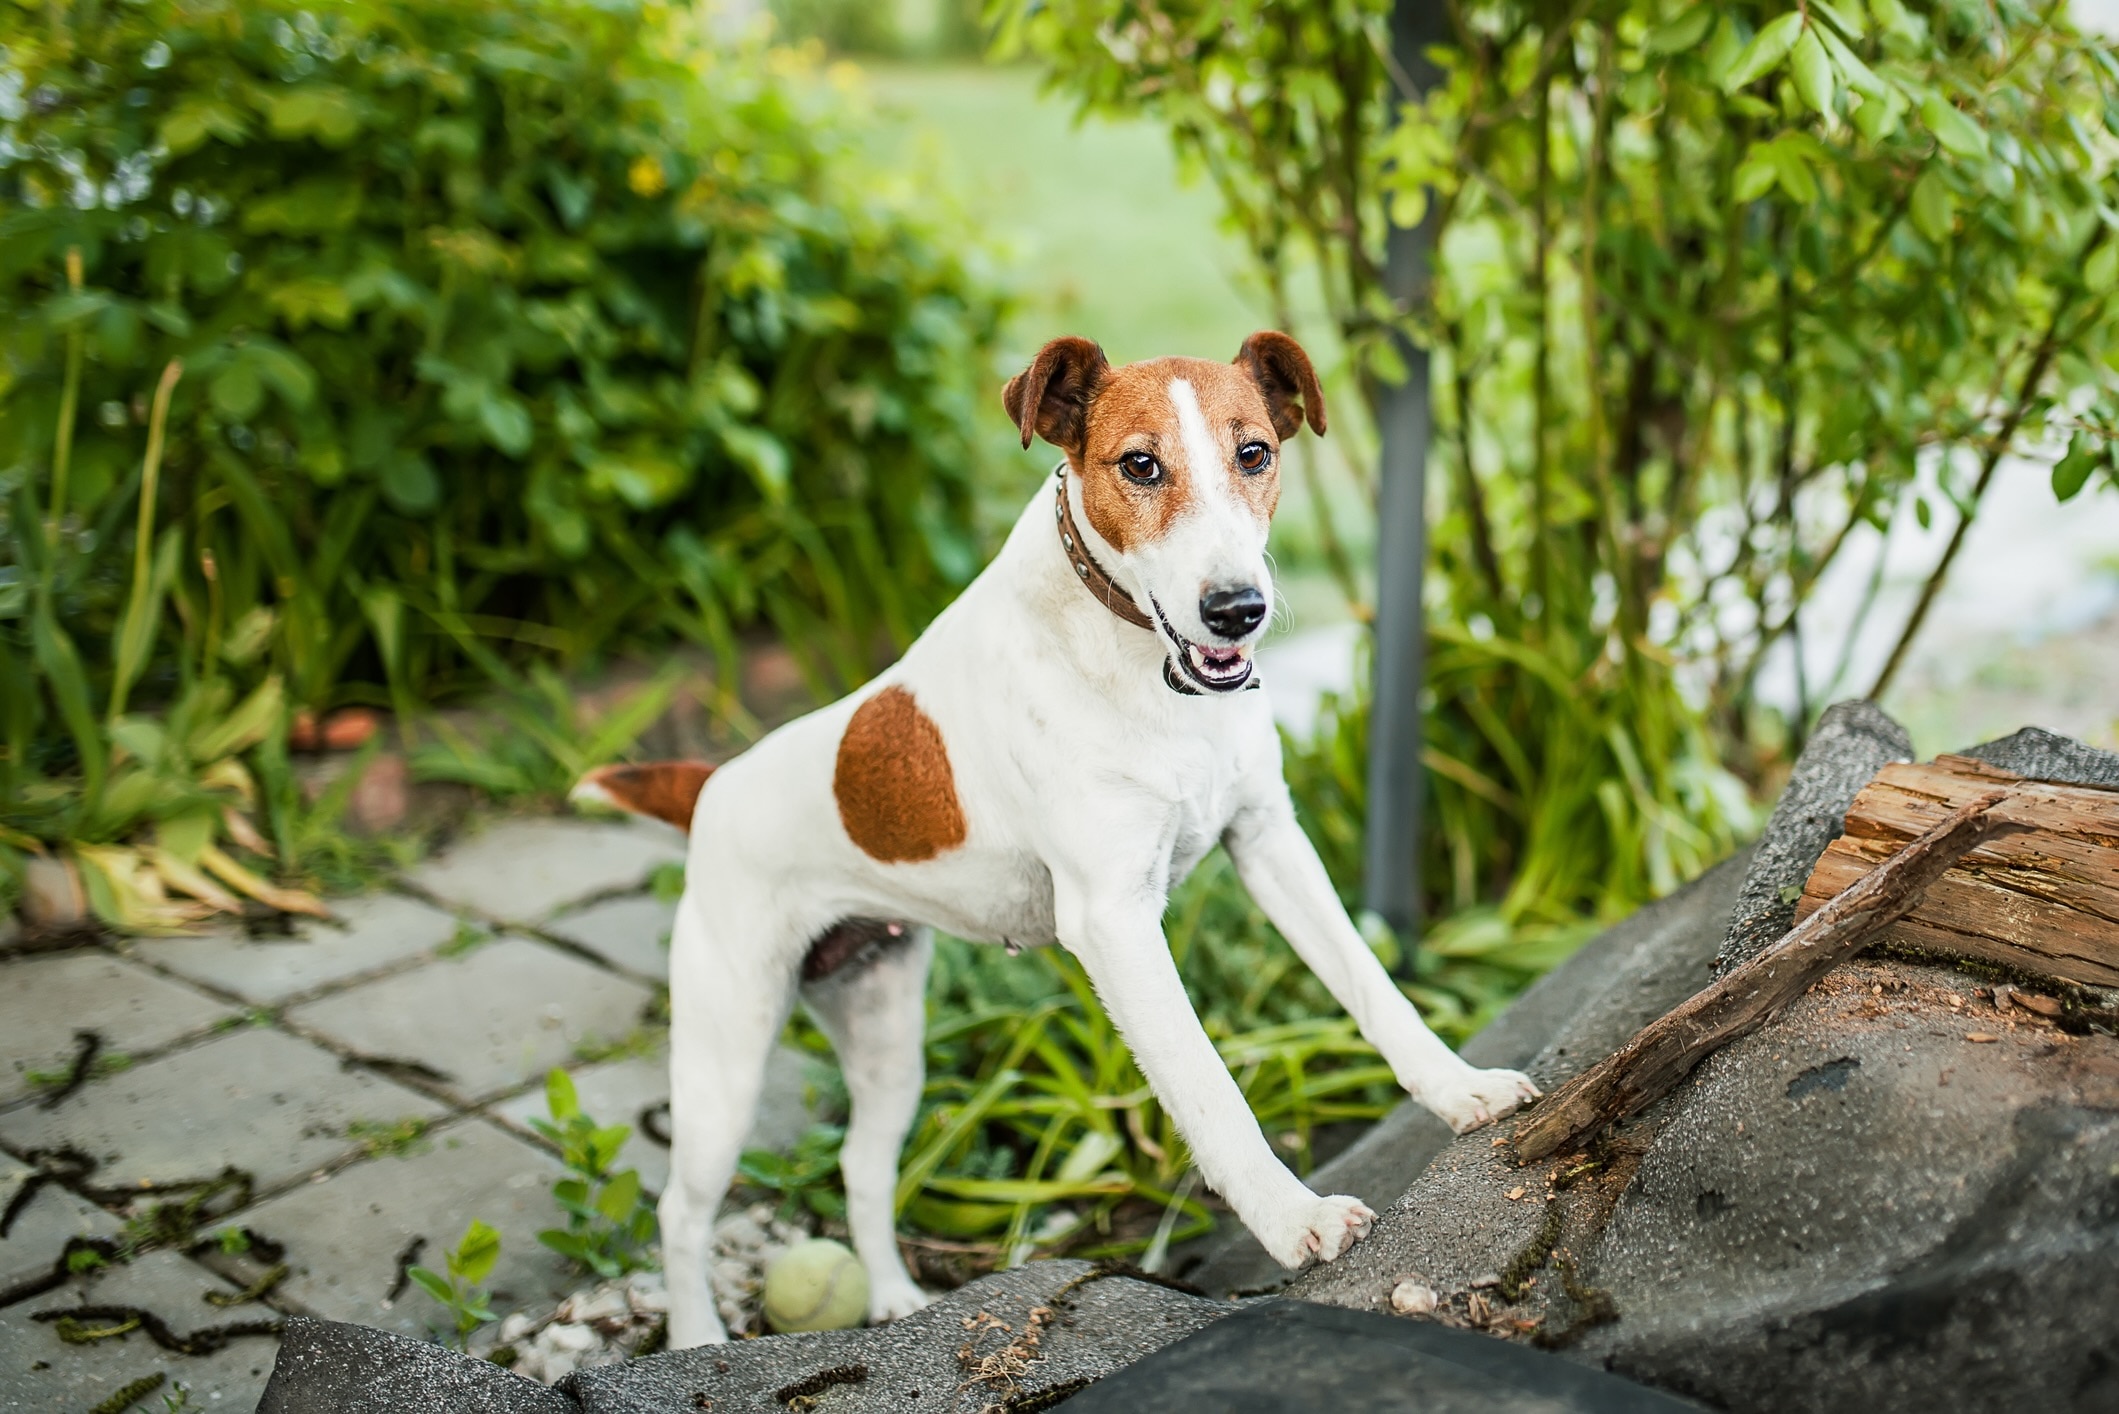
{"x":1232,"y":613}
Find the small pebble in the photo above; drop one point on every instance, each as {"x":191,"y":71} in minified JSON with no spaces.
{"x":1413,"y":1297}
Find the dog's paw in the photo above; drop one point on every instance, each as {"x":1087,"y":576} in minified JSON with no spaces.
{"x":1478,"y":1097}
{"x":1315,"y":1230}
{"x":893,"y":1299}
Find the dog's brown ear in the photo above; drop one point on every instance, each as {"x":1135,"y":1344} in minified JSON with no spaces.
{"x":1050,"y":398}
{"x":1283,"y":373}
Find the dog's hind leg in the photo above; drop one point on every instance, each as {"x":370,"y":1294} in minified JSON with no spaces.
{"x":875,"y":1013}
{"x":732,"y":983}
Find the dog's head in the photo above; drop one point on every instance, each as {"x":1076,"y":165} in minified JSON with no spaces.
{"x":1178,"y":461}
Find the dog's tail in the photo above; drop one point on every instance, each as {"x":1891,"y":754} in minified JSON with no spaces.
{"x":663,"y":790}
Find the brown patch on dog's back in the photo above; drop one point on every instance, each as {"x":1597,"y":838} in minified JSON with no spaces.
{"x":896,"y":793}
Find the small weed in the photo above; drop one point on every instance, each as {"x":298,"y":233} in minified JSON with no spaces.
{"x":469,"y":938}
{"x":177,"y":1399}
{"x":232,"y":1241}
{"x":666,"y":881}
{"x":804,"y":1177}
{"x":641,"y":1041}
{"x":84,"y":1259}
{"x":459,"y":1293}
{"x":397,"y":1138}
{"x":610,"y":1223}
{"x":107,"y":1064}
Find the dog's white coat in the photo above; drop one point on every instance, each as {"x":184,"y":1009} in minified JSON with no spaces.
{"x":1089,"y":789}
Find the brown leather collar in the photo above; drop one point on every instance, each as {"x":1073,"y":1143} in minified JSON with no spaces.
{"x":1091,"y":574}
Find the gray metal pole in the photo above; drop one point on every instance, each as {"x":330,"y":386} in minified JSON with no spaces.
{"x":1396,"y":784}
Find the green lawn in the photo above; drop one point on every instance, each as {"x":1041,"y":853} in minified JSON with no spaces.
{"x":1101,"y":235}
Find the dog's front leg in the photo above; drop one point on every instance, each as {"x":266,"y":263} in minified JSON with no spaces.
{"x":1281,"y":869}
{"x":1119,"y":939}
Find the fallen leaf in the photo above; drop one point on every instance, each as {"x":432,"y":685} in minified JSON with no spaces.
{"x":1514,"y":1194}
{"x":1978,"y":1036}
{"x":2038,"y":1002}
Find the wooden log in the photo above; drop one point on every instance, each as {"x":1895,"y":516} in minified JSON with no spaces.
{"x":1665,"y":1051}
{"x":2045,"y":903}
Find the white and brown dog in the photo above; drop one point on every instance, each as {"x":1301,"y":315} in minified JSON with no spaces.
{"x":1060,"y":747}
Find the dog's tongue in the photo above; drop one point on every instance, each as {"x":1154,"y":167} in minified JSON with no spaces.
{"x":1221,"y":657}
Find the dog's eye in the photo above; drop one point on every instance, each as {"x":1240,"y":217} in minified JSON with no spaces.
{"x":1140,"y":468}
{"x":1253,"y":456}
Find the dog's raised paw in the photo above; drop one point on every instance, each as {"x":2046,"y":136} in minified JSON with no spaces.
{"x":1317,"y":1230}
{"x":890,"y":1301}
{"x":1480,"y":1097}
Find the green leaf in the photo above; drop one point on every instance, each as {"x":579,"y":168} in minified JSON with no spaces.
{"x":1680,"y":34}
{"x":1858,"y":75}
{"x":474,"y":1257}
{"x":237,"y":391}
{"x":1923,"y":513}
{"x":433,"y":1284}
{"x":1765,"y":51}
{"x":566,"y":1244}
{"x":409,"y":483}
{"x":1811,"y":70}
{"x":506,"y":423}
{"x":560,"y":1096}
{"x":60,"y":664}
{"x":2072,"y":472}
{"x":1848,"y":20}
{"x":1933,"y":209}
{"x":619,"y":1195}
{"x":2098,"y":271}
{"x":1958,"y":134}
{"x":243,"y":727}
{"x":1792,"y":169}
{"x":1754,"y":175}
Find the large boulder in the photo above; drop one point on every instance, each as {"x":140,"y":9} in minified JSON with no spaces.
{"x":1895,"y":1197}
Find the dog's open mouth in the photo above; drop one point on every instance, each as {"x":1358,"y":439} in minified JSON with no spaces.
{"x":1219,"y":668}
{"x":1222,"y":669}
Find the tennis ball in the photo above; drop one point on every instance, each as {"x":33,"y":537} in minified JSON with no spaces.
{"x":816,"y":1285}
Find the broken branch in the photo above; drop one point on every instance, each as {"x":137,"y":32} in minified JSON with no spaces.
{"x":1666,"y":1050}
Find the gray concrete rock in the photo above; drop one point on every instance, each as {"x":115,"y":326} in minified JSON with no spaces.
{"x":2047,"y":756}
{"x":40,"y":1373}
{"x":368,"y":935}
{"x":524,"y":871}
{"x":484,"y":1023}
{"x":276,"y":1107}
{"x":326,"y":1367}
{"x":45,"y":1000}
{"x":1893,"y":1198}
{"x":1863,"y":1206}
{"x":1614,"y":984}
{"x":1852,"y":742}
{"x":1034,"y":1333}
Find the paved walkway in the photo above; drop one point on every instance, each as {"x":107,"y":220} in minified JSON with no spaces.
{"x":369,"y":1082}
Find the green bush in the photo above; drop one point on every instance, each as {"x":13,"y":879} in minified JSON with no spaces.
{"x":508,"y":330}
{"x":1712,"y":288}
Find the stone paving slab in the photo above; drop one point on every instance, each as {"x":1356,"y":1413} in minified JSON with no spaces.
{"x":615,"y":1092}
{"x":378,"y":931}
{"x":268,"y":1103}
{"x":344,"y":1235}
{"x":524,"y":871}
{"x":41,"y":1229}
{"x":487,"y":1022}
{"x":44,"y":1000}
{"x":41,"y":1374}
{"x":631,"y":931}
